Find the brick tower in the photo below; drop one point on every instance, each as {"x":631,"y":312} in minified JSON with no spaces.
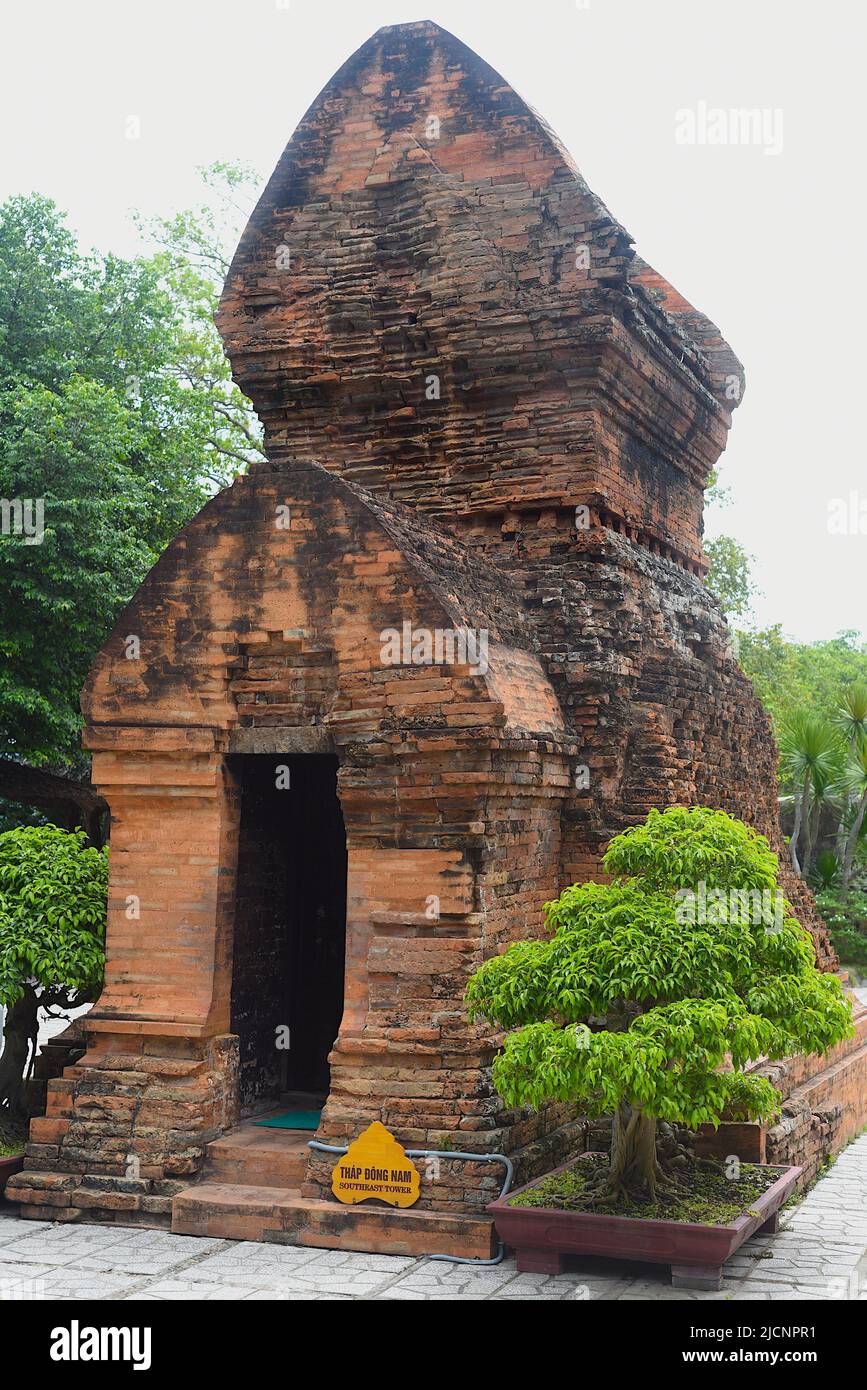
{"x":486,"y":418}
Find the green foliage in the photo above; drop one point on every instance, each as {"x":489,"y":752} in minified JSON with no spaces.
{"x":792,"y":676}
{"x":112,"y":410}
{"x":53,"y":897}
{"x":679,"y":848}
{"x":810,"y":747}
{"x":847,"y":923}
{"x":851,"y":712}
{"x":826,"y":871}
{"x":191,"y":264}
{"x":631,"y":999}
{"x":824,"y":763}
{"x":729,"y":576}
{"x":823,"y":746}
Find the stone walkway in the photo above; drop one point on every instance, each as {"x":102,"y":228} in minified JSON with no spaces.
{"x":820,"y":1253}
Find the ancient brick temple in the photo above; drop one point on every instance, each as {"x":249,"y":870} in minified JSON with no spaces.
{"x":399,"y":685}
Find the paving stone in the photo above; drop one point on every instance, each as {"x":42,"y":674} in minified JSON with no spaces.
{"x":810,"y":1262}
{"x":253,"y":1264}
{"x":68,"y":1282}
{"x":19,"y":1282}
{"x":178,"y":1289}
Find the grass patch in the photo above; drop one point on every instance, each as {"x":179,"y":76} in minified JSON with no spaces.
{"x":710,"y":1197}
{"x":13,"y":1137}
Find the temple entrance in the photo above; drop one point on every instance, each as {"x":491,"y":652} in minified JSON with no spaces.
{"x":290,"y":925}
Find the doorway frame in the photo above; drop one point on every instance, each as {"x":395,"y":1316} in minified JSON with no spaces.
{"x":321,"y":747}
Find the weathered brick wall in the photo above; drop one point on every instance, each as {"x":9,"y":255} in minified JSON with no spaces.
{"x":448,"y":312}
{"x":642,"y":662}
{"x":448,"y":319}
{"x":387,"y":253}
{"x":824,"y":1102}
{"x":244,"y":628}
{"x":126,"y":1128}
{"x":823,"y":1107}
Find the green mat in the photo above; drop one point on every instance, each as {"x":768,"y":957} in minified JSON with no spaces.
{"x":293,"y":1119}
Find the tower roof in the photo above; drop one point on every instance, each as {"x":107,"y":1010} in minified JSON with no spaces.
{"x":430,"y":299}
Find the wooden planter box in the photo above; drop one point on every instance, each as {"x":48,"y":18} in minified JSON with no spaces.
{"x":696,"y":1253}
{"x":9,"y":1166}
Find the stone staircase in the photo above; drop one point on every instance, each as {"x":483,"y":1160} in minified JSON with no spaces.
{"x":258,"y":1157}
{"x":250,"y":1189}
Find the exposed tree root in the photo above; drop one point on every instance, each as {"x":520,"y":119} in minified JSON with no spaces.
{"x":648,"y":1164}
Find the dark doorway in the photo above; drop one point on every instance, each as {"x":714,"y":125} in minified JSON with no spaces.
{"x":290,"y":924}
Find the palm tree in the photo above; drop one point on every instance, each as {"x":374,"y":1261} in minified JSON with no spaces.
{"x":850,"y":717}
{"x":810,"y":758}
{"x":825,"y":793}
{"x":856,"y":784}
{"x":826,"y":871}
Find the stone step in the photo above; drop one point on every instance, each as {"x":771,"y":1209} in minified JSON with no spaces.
{"x":844,"y":1082}
{"x":255,"y":1157}
{"x":810,"y":1086}
{"x":234,"y":1211}
{"x":384,"y":1230}
{"x":283,"y":1215}
{"x":793,"y":1073}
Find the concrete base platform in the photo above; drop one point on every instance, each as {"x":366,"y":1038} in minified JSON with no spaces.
{"x":244,"y":1212}
{"x":257,"y":1157}
{"x":251,"y":1190}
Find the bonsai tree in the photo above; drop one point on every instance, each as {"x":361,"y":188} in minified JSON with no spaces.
{"x":53,"y":897}
{"x":649,"y":984}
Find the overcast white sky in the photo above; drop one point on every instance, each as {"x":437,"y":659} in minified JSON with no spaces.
{"x":769,"y":246}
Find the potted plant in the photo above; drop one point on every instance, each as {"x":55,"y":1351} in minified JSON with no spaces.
{"x":645,"y":1004}
{"x":53,"y":894}
{"x":13,"y":1137}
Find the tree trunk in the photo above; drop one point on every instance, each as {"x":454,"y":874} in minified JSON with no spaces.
{"x":851,"y":846}
{"x":633,"y":1167}
{"x":813,"y":828}
{"x":800,"y":802}
{"x":66,"y":802}
{"x":19,"y":1042}
{"x":795,"y":834}
{"x":842,"y":833}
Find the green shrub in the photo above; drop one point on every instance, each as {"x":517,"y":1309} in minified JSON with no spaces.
{"x":647,"y":984}
{"x":53,"y":898}
{"x":847,"y":924}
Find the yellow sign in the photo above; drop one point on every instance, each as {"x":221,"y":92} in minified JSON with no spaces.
{"x":375,"y":1165}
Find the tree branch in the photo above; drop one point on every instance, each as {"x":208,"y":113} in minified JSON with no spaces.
{"x":224,"y":449}
{"x":239,"y":421}
{"x":73,"y":803}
